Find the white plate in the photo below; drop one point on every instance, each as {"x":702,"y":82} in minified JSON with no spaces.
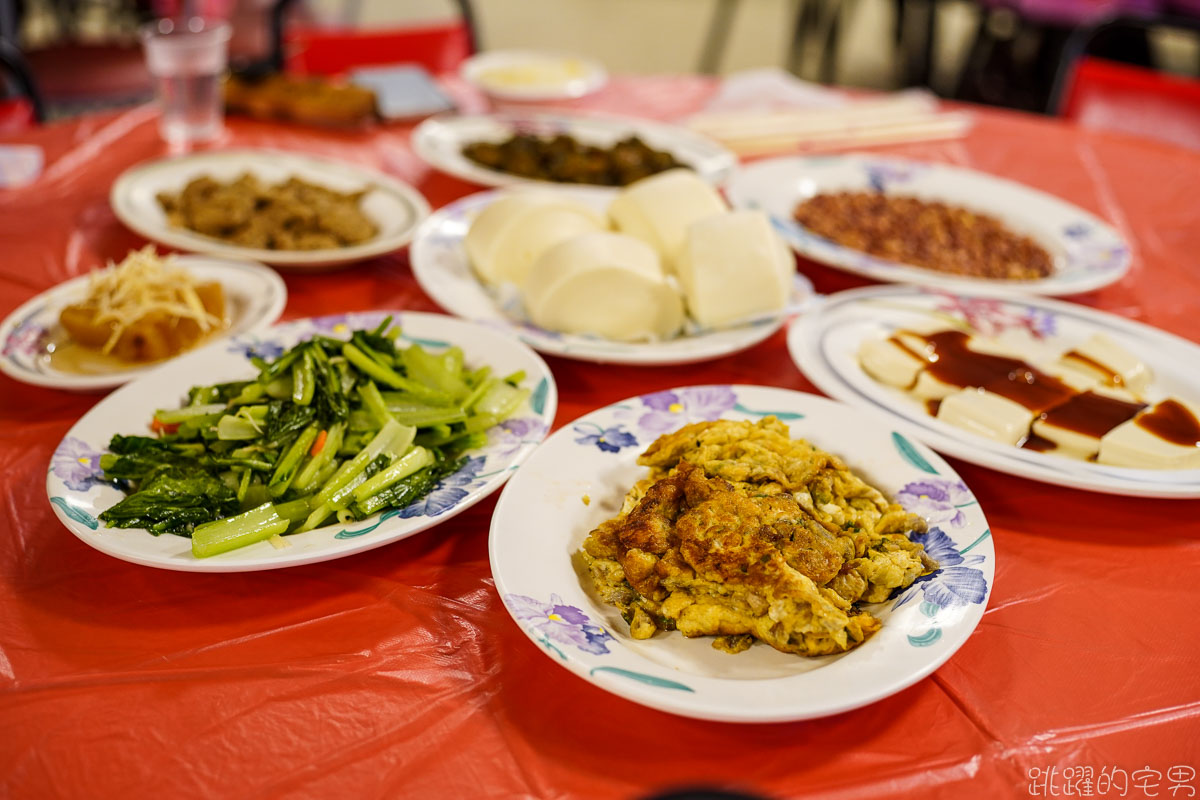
{"x":76,"y":489}
{"x":439,"y":262}
{"x":825,"y":342}
{"x":440,"y":140}
{"x":541,"y":520}
{"x":1087,"y":253}
{"x":254,"y":295}
{"x":549,"y":76}
{"x":395,"y":207}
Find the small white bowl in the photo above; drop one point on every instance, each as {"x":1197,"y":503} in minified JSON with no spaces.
{"x":531,"y":75}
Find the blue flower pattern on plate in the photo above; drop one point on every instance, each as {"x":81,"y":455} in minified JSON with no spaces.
{"x":25,"y":340}
{"x":880,"y":174}
{"x":555,"y":624}
{"x":610,"y":440}
{"x":267,"y":350}
{"x":448,"y":492}
{"x":669,"y":411}
{"x":939,"y":500}
{"x":77,"y":465}
{"x":955,"y":583}
{"x":993,"y":316}
{"x":511,"y":434}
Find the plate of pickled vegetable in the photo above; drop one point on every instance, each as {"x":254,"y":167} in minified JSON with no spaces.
{"x":311,"y":440}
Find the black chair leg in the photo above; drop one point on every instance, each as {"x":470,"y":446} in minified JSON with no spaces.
{"x":11,"y":57}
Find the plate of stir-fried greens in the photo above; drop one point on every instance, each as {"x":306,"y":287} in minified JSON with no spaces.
{"x":311,"y":440}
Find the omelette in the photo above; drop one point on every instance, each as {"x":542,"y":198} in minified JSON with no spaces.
{"x":742,"y":533}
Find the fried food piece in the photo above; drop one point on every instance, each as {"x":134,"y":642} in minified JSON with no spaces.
{"x":311,"y":100}
{"x":294,"y":215}
{"x":724,"y":538}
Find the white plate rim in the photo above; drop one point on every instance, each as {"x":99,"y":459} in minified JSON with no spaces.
{"x":596,"y":75}
{"x":652,"y":687}
{"x":805,"y":334}
{"x":375,"y":531}
{"x":680,"y":350}
{"x":847,"y":259}
{"x":198,"y":243}
{"x":56,"y":297}
{"x":715,"y":166}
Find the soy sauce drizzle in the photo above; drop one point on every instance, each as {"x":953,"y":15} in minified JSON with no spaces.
{"x":1038,"y":443}
{"x":951,"y":361}
{"x":1091,"y":414}
{"x":1172,"y":421}
{"x":1110,"y":377}
{"x":948,"y":359}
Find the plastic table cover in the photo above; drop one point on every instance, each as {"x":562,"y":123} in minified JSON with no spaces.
{"x":399,"y":673}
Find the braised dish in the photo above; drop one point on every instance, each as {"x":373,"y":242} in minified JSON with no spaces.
{"x":144,"y":309}
{"x":564,"y":159}
{"x":933,"y":235}
{"x":294,"y":215}
{"x":742,"y":533}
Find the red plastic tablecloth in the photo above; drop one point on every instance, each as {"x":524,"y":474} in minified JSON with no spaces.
{"x":398,"y":672}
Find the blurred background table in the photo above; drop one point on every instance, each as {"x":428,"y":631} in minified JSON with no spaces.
{"x":399,"y":673}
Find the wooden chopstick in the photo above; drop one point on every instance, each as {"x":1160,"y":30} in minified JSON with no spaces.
{"x":923,"y":127}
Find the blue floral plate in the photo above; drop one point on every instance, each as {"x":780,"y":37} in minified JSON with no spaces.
{"x":440,"y":141}
{"x":78,"y":492}
{"x":29,"y":337}
{"x":824,"y":345}
{"x":577,"y":479}
{"x":1087,"y":253}
{"x":440,"y":265}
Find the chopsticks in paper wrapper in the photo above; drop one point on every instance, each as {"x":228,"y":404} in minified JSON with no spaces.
{"x":906,"y":117}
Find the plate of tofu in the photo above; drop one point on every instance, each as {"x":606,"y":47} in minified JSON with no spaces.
{"x":661,"y":272}
{"x":1047,"y":390}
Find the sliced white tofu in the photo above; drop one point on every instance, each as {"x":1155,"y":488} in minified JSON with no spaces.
{"x":1076,"y":426}
{"x":732,"y":266}
{"x":927,"y":387}
{"x":1136,"y":444}
{"x":1109,"y":363}
{"x":605,"y":284}
{"x":986,"y":414}
{"x":659,"y":209}
{"x":888,"y":363}
{"x":514,"y":230}
{"x":1076,"y":379}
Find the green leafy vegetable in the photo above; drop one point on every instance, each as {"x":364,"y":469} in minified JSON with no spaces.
{"x":329,"y":428}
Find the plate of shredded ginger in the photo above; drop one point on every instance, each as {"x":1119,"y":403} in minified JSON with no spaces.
{"x":741,"y":554}
{"x":114,"y":324}
{"x":303,"y":442}
{"x":284,"y":209}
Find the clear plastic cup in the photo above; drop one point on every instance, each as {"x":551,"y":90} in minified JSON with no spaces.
{"x":187,"y":58}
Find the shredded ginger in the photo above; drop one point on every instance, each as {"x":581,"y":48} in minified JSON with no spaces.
{"x":143,"y":283}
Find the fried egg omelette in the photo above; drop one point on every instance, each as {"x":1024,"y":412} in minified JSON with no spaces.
{"x":743,"y":533}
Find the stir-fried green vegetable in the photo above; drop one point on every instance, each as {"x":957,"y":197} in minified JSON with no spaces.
{"x":329,"y":430}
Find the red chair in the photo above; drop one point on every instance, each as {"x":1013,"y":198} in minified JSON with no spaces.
{"x":324,"y":51}
{"x":1127,"y":98}
{"x":309,"y":49}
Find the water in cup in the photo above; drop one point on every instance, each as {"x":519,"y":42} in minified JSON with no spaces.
{"x":187,"y":59}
